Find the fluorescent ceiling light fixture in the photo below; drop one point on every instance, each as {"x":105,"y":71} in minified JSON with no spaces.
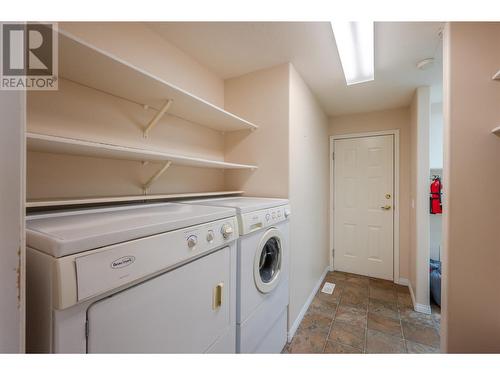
{"x":355,"y":45}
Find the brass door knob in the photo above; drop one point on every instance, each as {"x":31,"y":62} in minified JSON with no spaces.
{"x":386,"y":207}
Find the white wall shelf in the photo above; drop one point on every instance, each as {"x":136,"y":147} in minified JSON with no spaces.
{"x":87,"y":65}
{"x":41,"y":203}
{"x":70,"y":146}
{"x":496,"y":76}
{"x":496,"y":131}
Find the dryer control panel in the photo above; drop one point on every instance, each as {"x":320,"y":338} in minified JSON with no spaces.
{"x":256,"y":220}
{"x":86,"y":275}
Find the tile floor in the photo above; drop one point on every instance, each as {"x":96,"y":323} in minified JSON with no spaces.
{"x":365,"y":315}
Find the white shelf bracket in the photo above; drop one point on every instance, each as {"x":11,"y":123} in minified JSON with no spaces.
{"x":155,"y":177}
{"x":157,"y":117}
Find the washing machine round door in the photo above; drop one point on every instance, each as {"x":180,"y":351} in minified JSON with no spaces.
{"x":268,"y":257}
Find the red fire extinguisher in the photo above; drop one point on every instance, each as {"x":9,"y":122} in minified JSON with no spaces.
{"x":435,"y":197}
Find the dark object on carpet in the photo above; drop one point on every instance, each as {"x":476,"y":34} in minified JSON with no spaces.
{"x":435,"y":269}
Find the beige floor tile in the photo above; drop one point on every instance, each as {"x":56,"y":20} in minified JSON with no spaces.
{"x":402,"y":289}
{"x":420,"y":333}
{"x":311,"y":335}
{"x":359,"y":290}
{"x":339,"y":276}
{"x":306,"y":342}
{"x":412,"y":316}
{"x":348,"y":334}
{"x":323,"y":307}
{"x":357,"y":281}
{"x":338,"y":348}
{"x":334,"y":297}
{"x":351,"y":315}
{"x":384,"y":284}
{"x":437,"y":321}
{"x":417,"y":348}
{"x":354,"y":275}
{"x":337,"y":323}
{"x":384,"y":324}
{"x":404,"y":300}
{"x":388,"y":309}
{"x":379,"y":342}
{"x":355,"y":299}
{"x":315,"y":323}
{"x":436,"y":315}
{"x":383,"y":294}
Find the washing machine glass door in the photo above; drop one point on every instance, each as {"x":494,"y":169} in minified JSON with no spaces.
{"x":267,"y":264}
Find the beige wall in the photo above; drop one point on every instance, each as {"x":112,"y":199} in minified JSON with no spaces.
{"x":261,"y":97}
{"x":413,"y":184}
{"x":139,"y":45}
{"x":471,"y":256}
{"x":291,"y":149}
{"x":12,"y":275}
{"x":309,"y":194}
{"x":80,"y":112}
{"x":419,"y":198}
{"x":387,"y":120}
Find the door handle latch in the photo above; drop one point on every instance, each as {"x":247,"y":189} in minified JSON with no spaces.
{"x":386,"y":207}
{"x":217,"y":297}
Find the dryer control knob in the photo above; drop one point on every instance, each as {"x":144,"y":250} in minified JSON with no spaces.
{"x":226,"y":231}
{"x":268,"y":217}
{"x":192,"y":241}
{"x":210,"y":236}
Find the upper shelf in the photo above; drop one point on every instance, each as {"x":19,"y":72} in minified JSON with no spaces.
{"x":46,"y":203}
{"x":496,"y":131}
{"x":87,"y":65}
{"x":497,"y":76}
{"x":62,"y":145}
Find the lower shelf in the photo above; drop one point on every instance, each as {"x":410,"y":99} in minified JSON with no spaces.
{"x":122,"y":199}
{"x":496,"y":131}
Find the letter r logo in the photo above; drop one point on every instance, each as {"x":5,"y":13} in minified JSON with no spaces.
{"x":27,"y":49}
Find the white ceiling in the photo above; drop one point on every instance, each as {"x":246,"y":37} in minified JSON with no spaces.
{"x":231,"y":49}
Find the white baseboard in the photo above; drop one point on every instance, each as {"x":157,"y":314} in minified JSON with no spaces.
{"x":309,"y":300}
{"x":403,"y":281}
{"x":418,"y":307}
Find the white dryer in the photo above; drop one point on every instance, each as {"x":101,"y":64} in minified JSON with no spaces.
{"x":157,"y":278}
{"x":262,"y":272}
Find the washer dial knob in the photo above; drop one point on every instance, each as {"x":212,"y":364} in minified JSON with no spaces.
{"x":210,"y":236}
{"x":192,"y":241}
{"x":226,"y":231}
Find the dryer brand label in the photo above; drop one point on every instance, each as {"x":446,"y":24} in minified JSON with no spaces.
{"x":122,"y":262}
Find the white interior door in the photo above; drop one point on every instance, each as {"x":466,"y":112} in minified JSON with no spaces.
{"x":364,"y":206}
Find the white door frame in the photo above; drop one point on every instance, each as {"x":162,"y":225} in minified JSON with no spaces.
{"x":395,"y":133}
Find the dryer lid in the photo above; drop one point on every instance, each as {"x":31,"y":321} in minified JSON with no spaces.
{"x":64,"y":233}
{"x":242,"y":204}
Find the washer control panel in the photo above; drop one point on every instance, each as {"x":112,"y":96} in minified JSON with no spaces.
{"x":256,"y":220}
{"x":212,"y":235}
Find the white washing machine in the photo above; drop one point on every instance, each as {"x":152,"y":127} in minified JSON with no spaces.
{"x":263,"y":258}
{"x":158,"y":278}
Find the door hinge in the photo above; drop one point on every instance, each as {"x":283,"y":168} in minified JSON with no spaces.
{"x":333,"y":155}
{"x":86,"y":329}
